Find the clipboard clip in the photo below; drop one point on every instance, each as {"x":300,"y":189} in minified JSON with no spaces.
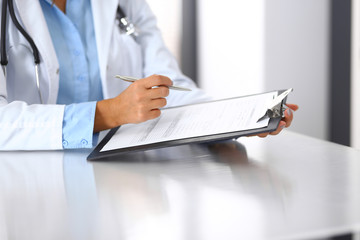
{"x":275,"y":108}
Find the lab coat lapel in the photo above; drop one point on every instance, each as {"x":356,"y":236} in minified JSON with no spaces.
{"x":104,"y":17}
{"x":34,"y":23}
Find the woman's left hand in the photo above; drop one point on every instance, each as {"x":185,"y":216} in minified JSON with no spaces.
{"x":285,"y":122}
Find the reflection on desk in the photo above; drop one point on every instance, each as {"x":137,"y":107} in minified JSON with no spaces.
{"x":247,"y":189}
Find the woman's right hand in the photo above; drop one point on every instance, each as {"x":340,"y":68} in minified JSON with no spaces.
{"x":138,"y":103}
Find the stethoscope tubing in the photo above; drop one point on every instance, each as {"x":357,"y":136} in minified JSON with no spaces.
{"x":19,"y":27}
{"x":4,"y":60}
{"x":35,"y":51}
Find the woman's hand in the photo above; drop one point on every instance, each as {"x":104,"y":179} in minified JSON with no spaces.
{"x":285,"y":122}
{"x":138,"y":103}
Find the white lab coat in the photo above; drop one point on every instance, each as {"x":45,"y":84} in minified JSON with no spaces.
{"x":25,"y":124}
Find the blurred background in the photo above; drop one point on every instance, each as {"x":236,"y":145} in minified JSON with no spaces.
{"x":233,"y":48}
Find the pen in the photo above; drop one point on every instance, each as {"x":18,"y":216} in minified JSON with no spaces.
{"x":132,"y":79}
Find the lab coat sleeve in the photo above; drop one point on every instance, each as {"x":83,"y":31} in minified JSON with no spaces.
{"x":158,"y":59}
{"x":29,"y":127}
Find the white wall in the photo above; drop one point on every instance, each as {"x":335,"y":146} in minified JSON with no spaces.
{"x":231,"y":46}
{"x":297,"y":55}
{"x":355,"y":76}
{"x":263,"y":45}
{"x":259,"y":45}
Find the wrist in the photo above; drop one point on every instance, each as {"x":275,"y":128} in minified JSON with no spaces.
{"x":105,"y":116}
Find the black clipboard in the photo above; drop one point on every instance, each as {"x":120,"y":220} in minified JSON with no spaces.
{"x":96,"y":154}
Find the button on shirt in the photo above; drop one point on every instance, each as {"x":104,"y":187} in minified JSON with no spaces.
{"x":73,"y":37}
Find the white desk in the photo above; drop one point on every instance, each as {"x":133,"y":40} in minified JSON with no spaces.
{"x":285,"y":187}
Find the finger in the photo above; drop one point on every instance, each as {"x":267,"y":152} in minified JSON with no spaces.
{"x":251,"y":135}
{"x":155,"y":113}
{"x":159,"y":92}
{"x":157,"y":80}
{"x":263,"y":135}
{"x":288,"y":117}
{"x":157,"y":103}
{"x":281,"y":126}
{"x":293,"y":107}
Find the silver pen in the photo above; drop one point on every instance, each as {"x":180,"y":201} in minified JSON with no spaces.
{"x":132,"y":79}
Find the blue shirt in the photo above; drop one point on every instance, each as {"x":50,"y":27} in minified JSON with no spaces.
{"x":73,"y":36}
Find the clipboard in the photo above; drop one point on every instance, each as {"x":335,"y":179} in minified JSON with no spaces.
{"x":274,"y":112}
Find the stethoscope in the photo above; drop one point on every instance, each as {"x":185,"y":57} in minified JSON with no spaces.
{"x":4,"y":60}
{"x":125,"y":26}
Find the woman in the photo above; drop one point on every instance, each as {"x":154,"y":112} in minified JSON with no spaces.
{"x":81,"y":50}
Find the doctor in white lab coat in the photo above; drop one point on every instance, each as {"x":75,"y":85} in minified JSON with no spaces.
{"x":26,"y":124}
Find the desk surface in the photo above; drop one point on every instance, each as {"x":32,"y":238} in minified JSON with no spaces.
{"x":285,"y":187}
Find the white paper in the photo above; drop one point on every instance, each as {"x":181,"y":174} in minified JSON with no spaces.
{"x":203,"y":119}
